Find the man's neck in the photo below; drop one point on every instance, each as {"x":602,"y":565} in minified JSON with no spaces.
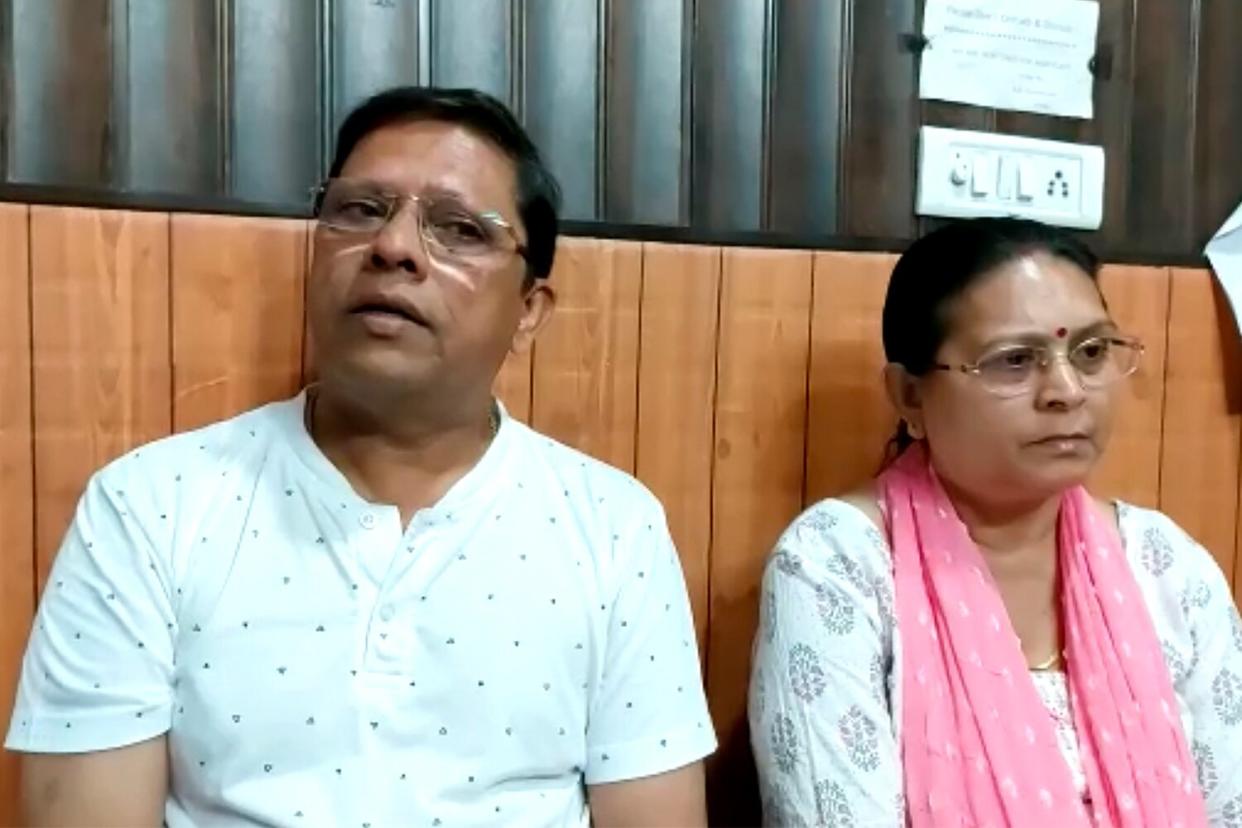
{"x":407,"y":453}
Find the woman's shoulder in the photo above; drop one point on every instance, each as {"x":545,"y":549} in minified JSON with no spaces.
{"x":864,"y":502}
{"x":1159,"y":549}
{"x":836,"y":536}
{"x":845,"y":518}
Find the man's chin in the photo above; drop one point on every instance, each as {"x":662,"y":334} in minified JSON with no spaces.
{"x":376,"y":370}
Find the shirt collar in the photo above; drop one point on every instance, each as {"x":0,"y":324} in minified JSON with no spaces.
{"x":475,"y":486}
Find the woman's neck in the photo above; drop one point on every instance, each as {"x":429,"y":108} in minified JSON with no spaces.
{"x":1002,"y":529}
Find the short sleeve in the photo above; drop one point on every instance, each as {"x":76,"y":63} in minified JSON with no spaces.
{"x":1211,"y":680}
{"x":648,"y":713}
{"x":820,"y":711}
{"x":98,"y":669}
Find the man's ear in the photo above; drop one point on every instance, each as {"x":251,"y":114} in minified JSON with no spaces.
{"x":905,"y":394}
{"x":537,"y":307}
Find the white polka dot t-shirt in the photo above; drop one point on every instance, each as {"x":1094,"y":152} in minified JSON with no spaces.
{"x":825,"y":694}
{"x":315,"y":663}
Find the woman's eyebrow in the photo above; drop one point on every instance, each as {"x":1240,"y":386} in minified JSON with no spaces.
{"x":1032,"y":336}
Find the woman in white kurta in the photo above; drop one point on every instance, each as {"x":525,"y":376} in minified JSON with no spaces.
{"x":1004,"y":368}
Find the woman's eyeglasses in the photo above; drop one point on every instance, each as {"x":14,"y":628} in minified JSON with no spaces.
{"x":1013,"y":370}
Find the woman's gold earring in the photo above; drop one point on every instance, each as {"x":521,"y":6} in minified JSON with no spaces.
{"x":916,"y":431}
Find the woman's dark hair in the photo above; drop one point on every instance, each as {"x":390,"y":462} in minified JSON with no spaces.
{"x":941,"y":266}
{"x":538,"y":195}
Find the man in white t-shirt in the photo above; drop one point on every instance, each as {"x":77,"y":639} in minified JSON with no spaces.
{"x":384,"y":602}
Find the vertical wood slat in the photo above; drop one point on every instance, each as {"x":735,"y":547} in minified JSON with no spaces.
{"x":676,"y":401}
{"x":1138,"y":299}
{"x":729,"y":114}
{"x":274,"y":113}
{"x":877,"y":157}
{"x":17,"y":579}
{"x":560,"y":95}
{"x":100,"y":293}
{"x":1200,"y":440}
{"x":586,"y":360}
{"x":170,"y":84}
{"x":371,"y":46}
{"x":60,"y":118}
{"x":1217,"y":151}
{"x":804,"y":159}
{"x":472,"y":45}
{"x":762,"y":357}
{"x":850,"y":419}
{"x":1156,"y":196}
{"x":646,"y":98}
{"x":237,"y":310}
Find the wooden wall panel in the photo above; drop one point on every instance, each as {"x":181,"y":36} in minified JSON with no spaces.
{"x":765,"y":315}
{"x":237,"y":310}
{"x":737,"y":383}
{"x":851,"y":420}
{"x":1200,"y":451}
{"x":586,"y":360}
{"x":17,"y":581}
{"x":668,"y":112}
{"x":1138,"y":298}
{"x":101,"y":374}
{"x":676,"y":401}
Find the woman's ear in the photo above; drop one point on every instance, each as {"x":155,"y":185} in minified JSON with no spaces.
{"x":905,"y":395}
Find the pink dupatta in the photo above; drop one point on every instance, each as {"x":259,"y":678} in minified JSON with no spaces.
{"x":978,"y":746}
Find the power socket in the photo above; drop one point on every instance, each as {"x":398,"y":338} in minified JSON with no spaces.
{"x":1058,"y":185}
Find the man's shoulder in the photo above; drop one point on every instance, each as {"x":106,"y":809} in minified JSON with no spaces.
{"x":583,"y":478}
{"x":188,"y":455}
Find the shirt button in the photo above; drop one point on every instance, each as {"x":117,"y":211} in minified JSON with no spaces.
{"x":386,"y":612}
{"x":367,"y":521}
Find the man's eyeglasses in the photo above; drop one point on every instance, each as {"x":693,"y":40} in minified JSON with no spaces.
{"x":1013,"y":370}
{"x":452,"y":233}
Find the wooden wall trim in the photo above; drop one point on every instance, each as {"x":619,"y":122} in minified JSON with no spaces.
{"x":17,"y":503}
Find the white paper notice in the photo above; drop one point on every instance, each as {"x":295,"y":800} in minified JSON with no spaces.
{"x":1224,"y":251}
{"x":1011,"y":54}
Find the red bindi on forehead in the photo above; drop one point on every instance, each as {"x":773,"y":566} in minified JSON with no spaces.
{"x":1062,"y":333}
